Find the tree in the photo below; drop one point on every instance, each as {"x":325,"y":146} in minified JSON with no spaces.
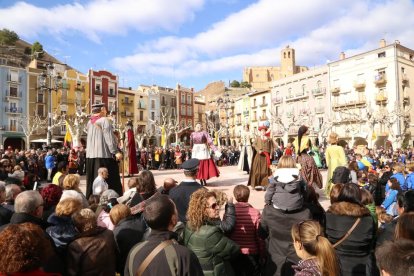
{"x":31,"y":124}
{"x":245,"y":84}
{"x":8,"y":37}
{"x":37,"y":50}
{"x":235,"y":84}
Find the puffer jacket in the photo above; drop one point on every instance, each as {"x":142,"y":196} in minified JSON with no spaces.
{"x":213,"y":249}
{"x":245,"y":232}
{"x":62,"y":231}
{"x":92,"y":253}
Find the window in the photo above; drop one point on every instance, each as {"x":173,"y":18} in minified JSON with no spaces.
{"x":13,"y":125}
{"x":303,"y":88}
{"x":40,"y":98}
{"x":152,"y":104}
{"x":190,"y":123}
{"x":40,"y":110}
{"x":13,"y":91}
{"x":63,"y":128}
{"x":182,"y":98}
{"x":189,"y":99}
{"x":264,"y":100}
{"x":319,"y":84}
{"x":64,"y":97}
{"x":141,"y":115}
{"x":111,"y":91}
{"x":254,"y":115}
{"x":183,"y":110}
{"x":173,"y":102}
{"x":98,"y":87}
{"x":254,"y":102}
{"x":189,"y":111}
{"x":126,"y":100}
{"x":163,"y":100}
{"x":14,"y":76}
{"x":153,"y":115}
{"x":173,"y":112}
{"x":381,"y":55}
{"x":257,"y":75}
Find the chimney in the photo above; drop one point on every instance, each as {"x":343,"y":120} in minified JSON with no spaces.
{"x":341,"y":56}
{"x":382,"y":43}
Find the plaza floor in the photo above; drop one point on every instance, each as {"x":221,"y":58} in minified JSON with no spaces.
{"x":230,"y":176}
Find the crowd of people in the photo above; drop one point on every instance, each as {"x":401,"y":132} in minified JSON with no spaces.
{"x":187,"y":229}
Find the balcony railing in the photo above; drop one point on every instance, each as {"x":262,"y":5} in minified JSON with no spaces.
{"x":355,"y":103}
{"x":126,"y":114}
{"x":13,"y":110}
{"x":141,"y":106}
{"x":380,"y":80}
{"x":111,"y":94}
{"x":297,"y":96}
{"x":359,"y":85}
{"x":18,"y":80}
{"x":126,"y":102}
{"x":277,"y":100}
{"x":319,"y":91}
{"x":98,"y":91}
{"x":335,"y":91}
{"x":254,"y":106}
{"x":9,"y":128}
{"x":14,"y":94}
{"x":319,"y":110}
{"x":80,"y":88}
{"x":381,"y":98}
{"x":405,"y":79}
{"x":263,"y":104}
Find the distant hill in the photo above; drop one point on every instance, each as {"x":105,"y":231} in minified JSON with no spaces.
{"x":19,"y":55}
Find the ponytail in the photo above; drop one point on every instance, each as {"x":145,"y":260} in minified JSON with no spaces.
{"x":326,"y":256}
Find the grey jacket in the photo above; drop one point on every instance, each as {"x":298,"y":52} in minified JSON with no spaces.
{"x":101,"y":141}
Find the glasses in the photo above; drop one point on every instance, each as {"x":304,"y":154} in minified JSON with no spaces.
{"x":213,"y":206}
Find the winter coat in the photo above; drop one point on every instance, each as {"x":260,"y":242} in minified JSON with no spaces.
{"x":181,"y":196}
{"x":128,"y":232}
{"x":5,"y":215}
{"x":49,"y":162}
{"x":390,"y":202}
{"x":335,"y":157}
{"x":92,"y":253}
{"x":213,"y":249}
{"x":307,"y":267}
{"x":409,"y":182}
{"x":187,"y":262}
{"x":275,"y":226}
{"x":245,"y":233}
{"x":354,"y":252}
{"x":401,"y":180}
{"x":285,"y":190}
{"x":228,"y":222}
{"x":62,"y":231}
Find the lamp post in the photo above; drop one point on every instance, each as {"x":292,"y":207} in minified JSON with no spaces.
{"x":49,"y":81}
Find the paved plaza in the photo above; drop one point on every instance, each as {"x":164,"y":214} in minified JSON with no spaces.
{"x":230,"y":176}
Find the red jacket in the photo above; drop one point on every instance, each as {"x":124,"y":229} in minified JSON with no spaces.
{"x":245,"y":231}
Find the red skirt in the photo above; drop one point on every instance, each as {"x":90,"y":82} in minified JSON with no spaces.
{"x":207,"y":169}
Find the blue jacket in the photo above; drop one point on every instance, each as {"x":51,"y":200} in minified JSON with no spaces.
{"x":390,"y":198}
{"x":49,"y":162}
{"x":409,"y":182}
{"x":401,"y":179}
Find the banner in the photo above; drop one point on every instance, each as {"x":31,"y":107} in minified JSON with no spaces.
{"x":163,"y":136}
{"x":68,"y":136}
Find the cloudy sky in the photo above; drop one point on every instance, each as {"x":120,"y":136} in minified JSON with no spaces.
{"x":194,"y":42}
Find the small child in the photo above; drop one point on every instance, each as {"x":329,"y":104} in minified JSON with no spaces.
{"x":245,"y":234}
{"x":128,"y":195}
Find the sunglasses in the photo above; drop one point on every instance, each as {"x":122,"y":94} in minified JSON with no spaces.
{"x":213,"y":206}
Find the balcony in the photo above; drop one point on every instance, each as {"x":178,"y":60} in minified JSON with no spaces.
{"x":40,"y":100}
{"x":246,"y":113}
{"x":13,"y":95}
{"x":9,"y":128}
{"x":353,"y":103}
{"x":405,"y":80}
{"x":278,"y":133}
{"x":141,"y":106}
{"x":126,"y":101}
{"x":277,"y":100}
{"x":381,"y":99}
{"x":319,"y":91}
{"x":297,"y":96}
{"x":380,"y":80}
{"x":238,"y":123}
{"x":80,"y":88}
{"x":254,"y":106}
{"x":126,"y":114}
{"x":98,"y":91}
{"x":13,"y":110}
{"x":263,"y":118}
{"x":319,"y":110}
{"x":111,"y":94}
{"x":359,"y":85}
{"x":335,"y":91}
{"x":263,"y":104}
{"x":254,"y":119}
{"x":65,"y":86}
{"x":164,"y":103}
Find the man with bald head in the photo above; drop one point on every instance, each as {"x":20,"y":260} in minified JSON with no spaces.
{"x":169,"y":183}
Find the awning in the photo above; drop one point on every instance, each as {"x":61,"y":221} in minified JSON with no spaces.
{"x":44,"y":141}
{"x":13,"y":134}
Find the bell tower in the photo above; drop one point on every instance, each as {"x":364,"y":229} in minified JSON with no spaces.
{"x":287,"y":62}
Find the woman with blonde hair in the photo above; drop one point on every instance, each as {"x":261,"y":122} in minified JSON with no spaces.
{"x":213,"y":249}
{"x":335,"y":157}
{"x":316,"y":252}
{"x":71,"y":182}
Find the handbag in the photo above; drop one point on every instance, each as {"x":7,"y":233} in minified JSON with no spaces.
{"x":347,"y":233}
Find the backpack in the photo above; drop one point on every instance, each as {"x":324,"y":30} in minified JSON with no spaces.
{"x":341,"y":174}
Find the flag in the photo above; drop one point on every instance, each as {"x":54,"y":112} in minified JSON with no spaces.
{"x":68,"y":136}
{"x":163,"y":136}
{"x":374,"y":135}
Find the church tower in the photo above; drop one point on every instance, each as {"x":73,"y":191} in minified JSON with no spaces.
{"x":287,"y":62}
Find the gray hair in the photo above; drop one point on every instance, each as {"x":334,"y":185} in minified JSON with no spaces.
{"x":101,"y":170}
{"x":107,"y":195}
{"x":12,"y":190}
{"x":27,"y":202}
{"x":72,"y":194}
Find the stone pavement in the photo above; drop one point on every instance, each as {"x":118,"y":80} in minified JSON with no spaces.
{"x":229,"y":177}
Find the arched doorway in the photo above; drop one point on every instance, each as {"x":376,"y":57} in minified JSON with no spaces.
{"x":358,"y":141}
{"x":14,"y":143}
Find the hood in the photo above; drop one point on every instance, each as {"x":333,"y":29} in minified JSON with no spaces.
{"x":348,"y":209}
{"x":286,"y":175}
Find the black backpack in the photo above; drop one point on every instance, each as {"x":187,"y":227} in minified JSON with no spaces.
{"x":342,"y":175}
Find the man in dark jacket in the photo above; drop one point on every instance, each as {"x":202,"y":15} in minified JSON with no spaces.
{"x":181,"y":194}
{"x":5,"y":214}
{"x":172,"y":259}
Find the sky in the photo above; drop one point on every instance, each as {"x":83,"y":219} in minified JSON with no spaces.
{"x":195,"y":42}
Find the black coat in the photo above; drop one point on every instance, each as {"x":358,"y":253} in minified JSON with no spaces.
{"x":5,"y":215}
{"x":188,"y":263}
{"x":181,"y":196}
{"x":355,"y":252}
{"x":128,"y":232}
{"x":276,"y":226}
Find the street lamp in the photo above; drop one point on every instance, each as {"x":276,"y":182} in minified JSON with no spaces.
{"x":50,"y":81}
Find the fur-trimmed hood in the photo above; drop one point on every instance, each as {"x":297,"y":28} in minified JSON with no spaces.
{"x":348,"y":209}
